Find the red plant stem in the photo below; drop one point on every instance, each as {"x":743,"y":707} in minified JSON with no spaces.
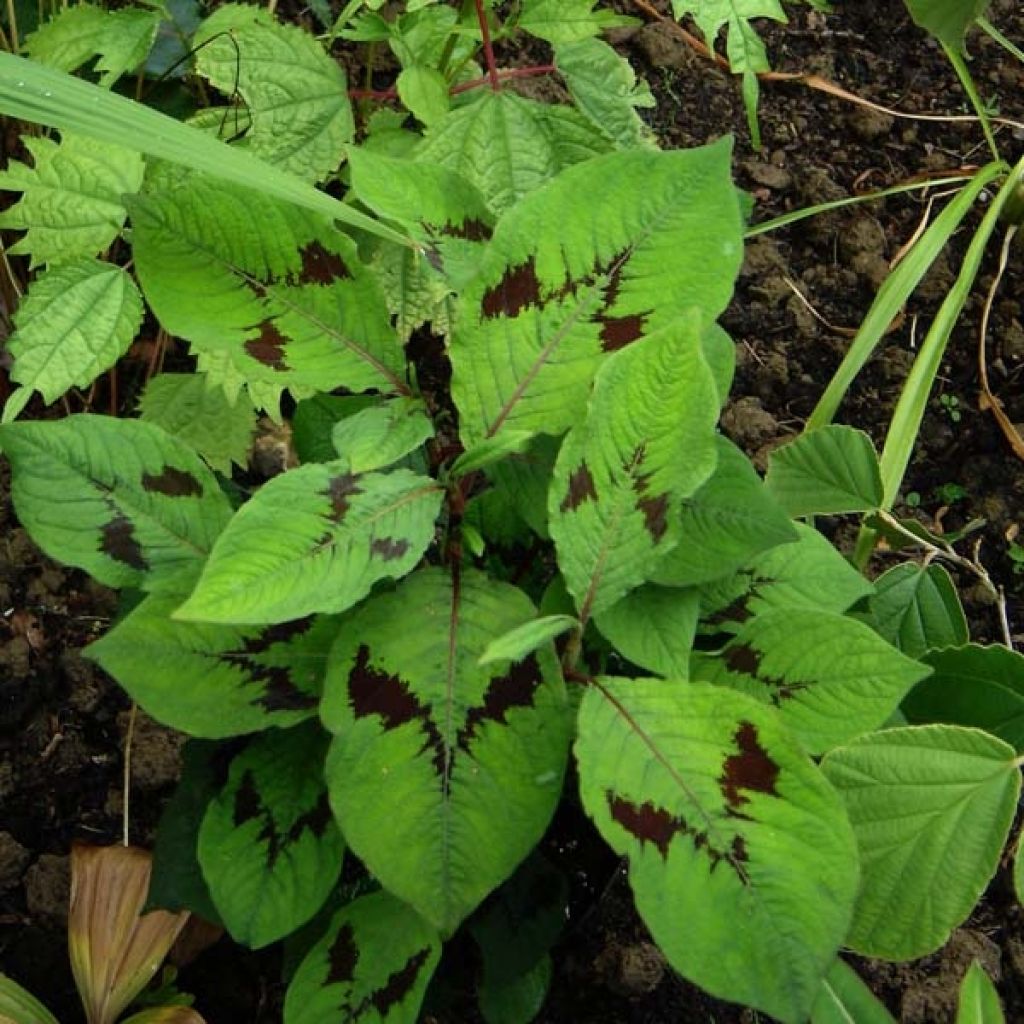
{"x":476,"y":83}
{"x":485,"y":32}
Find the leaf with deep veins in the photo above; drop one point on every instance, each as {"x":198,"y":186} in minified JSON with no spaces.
{"x":443,"y":773}
{"x":741,"y":859}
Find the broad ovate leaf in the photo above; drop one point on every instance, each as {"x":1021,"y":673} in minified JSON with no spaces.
{"x":214,"y":680}
{"x":648,"y":442}
{"x":741,"y":859}
{"x":979,"y":1000}
{"x":76,"y":320}
{"x":568,"y":21}
{"x":268,"y":845}
{"x":71,"y":203}
{"x":844,"y":998}
{"x":916,"y":608}
{"x":296,"y":95}
{"x":373,"y":965}
{"x":377,"y":437}
{"x":931,"y":807}
{"x":121,"y":499}
{"x":830,"y":677}
{"x":564,"y":283}
{"x":443,"y":772}
{"x":315,"y":539}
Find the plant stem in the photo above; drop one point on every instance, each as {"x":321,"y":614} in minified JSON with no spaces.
{"x":485,"y":32}
{"x":343,"y":19}
{"x":452,"y":40}
{"x":960,"y":66}
{"x":987,"y":27}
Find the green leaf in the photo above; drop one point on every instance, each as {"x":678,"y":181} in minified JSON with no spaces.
{"x":567,"y":21}
{"x":21,"y":1006}
{"x":564,"y":282}
{"x":373,"y":965}
{"x":296,"y":95}
{"x":916,"y":608}
{"x":1018,"y":871}
{"x":216,"y":680}
{"x":745,"y":50}
{"x":379,"y":436}
{"x":648,"y":441}
{"x":975,"y":686}
{"x":830,"y":470}
{"x":508,"y":146}
{"x":315,"y":539}
{"x":71,"y":202}
{"x":424,"y":90}
{"x":517,"y":643}
{"x":979,"y":1000}
{"x":492,"y":450}
{"x":517,"y":1000}
{"x":604,"y":88}
{"x":443,"y":773}
{"x":314,"y":420}
{"x":121,"y":499}
{"x":931,"y":807}
{"x":844,"y":999}
{"x":76,"y":320}
{"x":727,"y":522}
{"x":129,"y":36}
{"x":277,"y":290}
{"x":187,"y":406}
{"x":947,"y":20}
{"x":654,"y":627}
{"x":830,"y":677}
{"x":723,"y":819}
{"x":809,"y":573}
{"x":268,"y":846}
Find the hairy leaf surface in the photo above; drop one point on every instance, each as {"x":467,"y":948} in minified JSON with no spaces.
{"x":729,"y":829}
{"x":444,"y":773}
{"x":315,"y":539}
{"x":931,"y":807}
{"x":121,"y":499}
{"x":564,"y":282}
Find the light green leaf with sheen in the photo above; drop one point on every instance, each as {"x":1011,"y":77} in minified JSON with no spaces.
{"x":567,"y":21}
{"x":492,"y":450}
{"x":424,"y":90}
{"x":648,"y":441}
{"x":314,"y":539}
{"x":979,"y":1000}
{"x":121,"y":499}
{"x":377,"y":437}
{"x":931,"y":807}
{"x":741,"y":860}
{"x":517,"y":643}
{"x":71,"y":202}
{"x":564,"y":282}
{"x":844,"y":999}
{"x":830,"y":470}
{"x":443,"y":773}
{"x":830,"y":677}
{"x":916,"y":608}
{"x":75,"y":321}
{"x":268,"y":845}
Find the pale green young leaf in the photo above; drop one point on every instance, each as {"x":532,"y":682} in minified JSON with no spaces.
{"x":296,"y":95}
{"x":443,"y":773}
{"x":830,"y":470}
{"x":807,"y":573}
{"x":844,"y":999}
{"x":728,"y":521}
{"x":564,"y":282}
{"x":121,"y":499}
{"x":129,"y":36}
{"x":648,"y":442}
{"x":424,"y":90}
{"x":372,"y":965}
{"x":723,"y":819}
{"x":916,"y":608}
{"x":415,"y":293}
{"x":216,"y":681}
{"x":277,"y":292}
{"x":71,"y":202}
{"x":604,"y":88}
{"x":75,"y":321}
{"x":379,"y":436}
{"x":830,"y":677}
{"x":947,"y":20}
{"x":654,"y":628}
{"x":20,"y":1006}
{"x":568,"y":21}
{"x":931,"y":807}
{"x":975,"y":686}
{"x":517,"y":643}
{"x":491,"y":450}
{"x":189,"y":407}
{"x":314,"y":539}
{"x":508,"y":146}
{"x":268,"y":845}
{"x":979,"y":1000}
{"x":745,"y":50}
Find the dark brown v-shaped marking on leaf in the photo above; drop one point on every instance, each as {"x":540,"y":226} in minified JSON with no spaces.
{"x":118,"y":540}
{"x":339,"y":490}
{"x":248,"y":804}
{"x":280,"y":692}
{"x":175,"y":483}
{"x":514,"y":689}
{"x":268,"y":347}
{"x":388,"y":548}
{"x":373,"y":691}
{"x":655,"y":513}
{"x":320,"y":266}
{"x":472,"y":229}
{"x":342,"y":957}
{"x":518,"y":288}
{"x":399,"y":984}
{"x":744,"y":660}
{"x":581,"y":488}
{"x":750,"y":769}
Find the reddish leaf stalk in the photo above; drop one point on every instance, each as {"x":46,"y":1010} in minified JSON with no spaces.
{"x":475,"y":83}
{"x":485,"y":32}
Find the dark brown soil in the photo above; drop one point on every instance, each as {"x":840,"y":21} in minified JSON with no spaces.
{"x":62,"y":722}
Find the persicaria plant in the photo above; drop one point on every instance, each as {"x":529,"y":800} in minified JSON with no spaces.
{"x":513,"y":547}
